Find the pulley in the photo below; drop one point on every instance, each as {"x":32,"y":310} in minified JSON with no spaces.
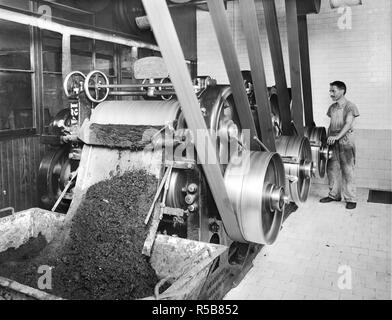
{"x":321,"y":152}
{"x":127,"y":13}
{"x":54,"y":173}
{"x":218,"y":109}
{"x":297,"y":158}
{"x":255,"y":185}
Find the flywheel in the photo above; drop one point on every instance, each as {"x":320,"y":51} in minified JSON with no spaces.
{"x":53,"y":175}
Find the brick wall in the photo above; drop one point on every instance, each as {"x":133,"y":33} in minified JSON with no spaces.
{"x":360,"y":56}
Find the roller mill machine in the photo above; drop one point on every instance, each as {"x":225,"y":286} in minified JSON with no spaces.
{"x":224,"y":178}
{"x":254,"y":180}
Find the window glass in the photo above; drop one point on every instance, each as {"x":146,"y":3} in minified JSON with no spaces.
{"x":64,"y":16}
{"x":104,"y":57}
{"x":145,"y":52}
{"x":54,"y":98}
{"x":51,"y":51}
{"x":18,"y":4}
{"x":14,"y":45}
{"x":81,"y":54}
{"x":127,"y":60}
{"x":16,"y":111}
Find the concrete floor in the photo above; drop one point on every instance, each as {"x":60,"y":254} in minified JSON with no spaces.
{"x":325,"y":252}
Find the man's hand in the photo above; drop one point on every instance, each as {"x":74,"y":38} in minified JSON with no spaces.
{"x":332,"y":139}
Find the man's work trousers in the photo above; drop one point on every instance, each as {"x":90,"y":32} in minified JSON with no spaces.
{"x":340,"y":169}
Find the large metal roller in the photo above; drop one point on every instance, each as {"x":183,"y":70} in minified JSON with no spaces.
{"x":136,"y":112}
{"x":297,"y":158}
{"x":255,"y":184}
{"x":321,"y":152}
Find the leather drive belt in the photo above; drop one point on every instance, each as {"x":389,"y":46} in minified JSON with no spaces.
{"x":272,"y":27}
{"x":295,"y":65}
{"x":251,"y":30}
{"x":167,"y":39}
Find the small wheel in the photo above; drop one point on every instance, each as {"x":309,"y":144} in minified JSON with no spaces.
{"x":74,"y":79}
{"x":94,"y":92}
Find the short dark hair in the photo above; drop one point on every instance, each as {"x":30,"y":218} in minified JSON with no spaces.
{"x":339,"y":84}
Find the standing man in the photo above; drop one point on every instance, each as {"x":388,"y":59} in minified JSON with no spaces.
{"x":340,"y":168}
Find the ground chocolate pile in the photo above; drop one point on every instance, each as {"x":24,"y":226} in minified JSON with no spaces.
{"x":102,"y":258}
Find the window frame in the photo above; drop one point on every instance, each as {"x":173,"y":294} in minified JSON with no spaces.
{"x":37,"y":73}
{"x":32,"y":71}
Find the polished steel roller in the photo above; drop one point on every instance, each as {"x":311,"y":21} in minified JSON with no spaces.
{"x":297,"y":158}
{"x":136,"y":112}
{"x":321,"y":152}
{"x":255,"y":184}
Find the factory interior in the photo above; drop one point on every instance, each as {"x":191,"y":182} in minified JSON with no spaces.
{"x":195,"y":150}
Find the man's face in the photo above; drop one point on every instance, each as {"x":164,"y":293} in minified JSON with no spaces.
{"x":335,"y":93}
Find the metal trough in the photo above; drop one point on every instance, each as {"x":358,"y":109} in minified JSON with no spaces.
{"x":185,"y":264}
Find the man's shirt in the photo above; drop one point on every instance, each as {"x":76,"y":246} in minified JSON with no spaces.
{"x":338,"y":114}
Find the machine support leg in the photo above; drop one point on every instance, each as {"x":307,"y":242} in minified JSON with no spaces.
{"x":305,"y":70}
{"x":169,"y":44}
{"x":251,"y":30}
{"x":275,"y":45}
{"x":295,"y":65}
{"x":226,"y":44}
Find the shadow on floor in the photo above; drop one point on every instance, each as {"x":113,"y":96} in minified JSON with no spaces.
{"x":289,"y":209}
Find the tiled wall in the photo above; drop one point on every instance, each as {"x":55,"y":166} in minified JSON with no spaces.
{"x":360,"y":56}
